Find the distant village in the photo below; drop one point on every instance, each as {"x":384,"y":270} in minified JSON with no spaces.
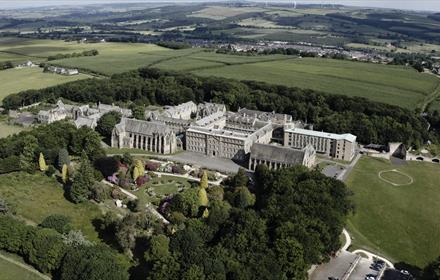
{"x":304,"y":47}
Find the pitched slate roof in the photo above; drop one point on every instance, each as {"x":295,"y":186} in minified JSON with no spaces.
{"x":347,"y":136}
{"x":273,"y":153}
{"x":143,"y":127}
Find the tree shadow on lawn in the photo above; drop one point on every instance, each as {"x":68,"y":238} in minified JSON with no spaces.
{"x":140,"y":271}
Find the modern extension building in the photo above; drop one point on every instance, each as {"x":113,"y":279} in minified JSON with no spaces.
{"x":153,"y":136}
{"x":276,"y":157}
{"x":338,"y":146}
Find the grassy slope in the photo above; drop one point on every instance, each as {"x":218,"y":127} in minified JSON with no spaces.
{"x":16,"y":80}
{"x":388,"y":84}
{"x":37,"y":196}
{"x":10,"y":271}
{"x":6,"y":129}
{"x":398,"y":222}
{"x":118,"y":60}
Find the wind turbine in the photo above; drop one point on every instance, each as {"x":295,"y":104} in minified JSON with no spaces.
{"x":294,"y":4}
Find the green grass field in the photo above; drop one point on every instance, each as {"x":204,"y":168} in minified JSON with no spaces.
{"x":37,"y":196}
{"x":220,"y":12}
{"x":16,"y":80}
{"x":122,"y":59}
{"x":7,"y":129}
{"x":20,"y":49}
{"x":387,"y":84}
{"x":11,"y":271}
{"x":164,"y":185}
{"x":398,"y":222}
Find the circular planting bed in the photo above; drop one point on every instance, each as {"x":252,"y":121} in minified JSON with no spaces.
{"x":395,"y":177}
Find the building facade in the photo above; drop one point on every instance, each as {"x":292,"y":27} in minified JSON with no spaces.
{"x":183,"y":111}
{"x":276,"y":157}
{"x":153,"y":137}
{"x":83,"y":115}
{"x":338,"y":146}
{"x":218,"y":139}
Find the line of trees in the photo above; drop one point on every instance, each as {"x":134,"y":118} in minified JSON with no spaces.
{"x":69,"y":55}
{"x":6,"y":65}
{"x":372,"y":122}
{"x":67,"y":256}
{"x":21,"y":151}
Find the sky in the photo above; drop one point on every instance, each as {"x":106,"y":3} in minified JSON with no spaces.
{"x":423,"y":5}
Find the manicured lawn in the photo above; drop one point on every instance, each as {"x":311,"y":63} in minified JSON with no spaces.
{"x":164,"y":185}
{"x":37,"y":196}
{"x":11,"y":271}
{"x":16,"y":80}
{"x":398,"y":222}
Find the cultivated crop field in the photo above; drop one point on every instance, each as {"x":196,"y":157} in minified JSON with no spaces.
{"x":400,"y":220}
{"x":16,"y":80}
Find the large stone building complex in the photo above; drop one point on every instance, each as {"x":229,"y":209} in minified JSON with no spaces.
{"x":338,"y":146}
{"x":154,"y":137}
{"x":210,"y":130}
{"x":83,"y":115}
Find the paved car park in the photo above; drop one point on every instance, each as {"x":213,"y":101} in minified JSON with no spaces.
{"x":337,"y":267}
{"x":348,"y":266}
{"x":362,"y":269}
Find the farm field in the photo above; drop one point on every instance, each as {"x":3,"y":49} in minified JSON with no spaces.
{"x":20,"y":49}
{"x":388,"y":84}
{"x":16,"y":80}
{"x":37,"y":196}
{"x":400,"y":220}
{"x":220,"y":12}
{"x":123,"y":59}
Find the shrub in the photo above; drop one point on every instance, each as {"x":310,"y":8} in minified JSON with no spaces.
{"x":13,"y":234}
{"x":57,"y":222}
{"x":50,"y":171}
{"x":152,"y":166}
{"x":177,"y":169}
{"x":134,"y":205}
{"x":107,"y":165}
{"x":46,"y":249}
{"x":142,"y":180}
{"x":101,"y":192}
{"x":9,"y":164}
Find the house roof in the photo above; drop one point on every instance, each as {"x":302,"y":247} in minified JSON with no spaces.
{"x":273,"y":153}
{"x":347,"y":136}
{"x":143,"y":127}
